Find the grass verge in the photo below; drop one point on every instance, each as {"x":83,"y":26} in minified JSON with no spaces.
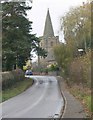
{"x":16,"y":89}
{"x":84,"y":96}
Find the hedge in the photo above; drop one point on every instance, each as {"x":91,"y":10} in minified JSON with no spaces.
{"x":11,"y":77}
{"x":80,"y":70}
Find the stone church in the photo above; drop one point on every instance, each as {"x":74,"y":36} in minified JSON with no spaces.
{"x":48,"y":41}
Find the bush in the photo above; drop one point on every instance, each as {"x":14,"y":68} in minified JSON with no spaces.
{"x":80,"y":70}
{"x":53,"y":67}
{"x":18,"y":75}
{"x":10,"y":78}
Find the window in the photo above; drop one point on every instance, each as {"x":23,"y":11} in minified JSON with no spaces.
{"x":51,"y":43}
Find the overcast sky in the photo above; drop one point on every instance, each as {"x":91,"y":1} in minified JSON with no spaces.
{"x":57,"y":9}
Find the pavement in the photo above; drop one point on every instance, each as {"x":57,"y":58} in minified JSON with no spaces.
{"x":72,"y":108}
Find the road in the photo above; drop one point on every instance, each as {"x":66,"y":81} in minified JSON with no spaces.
{"x":42,"y":100}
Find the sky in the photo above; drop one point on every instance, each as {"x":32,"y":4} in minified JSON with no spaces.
{"x":57,"y":8}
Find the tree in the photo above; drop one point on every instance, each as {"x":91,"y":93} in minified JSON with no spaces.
{"x":63,"y":55}
{"x":76,"y":25}
{"x":39,"y":50}
{"x":17,"y":42}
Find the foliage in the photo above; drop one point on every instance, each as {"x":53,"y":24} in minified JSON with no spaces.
{"x":77,"y":33}
{"x":40,"y":51}
{"x":53,"y":67}
{"x":80,"y":70}
{"x":15,"y":29}
{"x":28,"y":65}
{"x":10,"y":78}
{"x":63,"y":55}
{"x":17,"y":42}
{"x":24,"y":68}
{"x":76,"y":26}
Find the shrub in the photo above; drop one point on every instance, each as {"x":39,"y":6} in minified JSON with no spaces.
{"x":53,"y":67}
{"x":80,"y":70}
{"x":7,"y":79}
{"x":10,"y":78}
{"x":18,"y":75}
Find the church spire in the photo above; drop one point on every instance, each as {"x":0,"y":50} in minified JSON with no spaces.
{"x":48,"y":30}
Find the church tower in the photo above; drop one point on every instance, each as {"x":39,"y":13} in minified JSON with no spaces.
{"x":48,"y":41}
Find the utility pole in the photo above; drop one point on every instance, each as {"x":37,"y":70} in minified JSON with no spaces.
{"x":84,"y":7}
{"x":38,"y":59}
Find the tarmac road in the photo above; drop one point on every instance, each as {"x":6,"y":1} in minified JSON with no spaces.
{"x":42,"y":100}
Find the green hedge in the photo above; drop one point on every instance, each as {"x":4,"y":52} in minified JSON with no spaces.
{"x":10,"y":78}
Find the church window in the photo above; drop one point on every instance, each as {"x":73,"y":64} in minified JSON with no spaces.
{"x":51,"y":43}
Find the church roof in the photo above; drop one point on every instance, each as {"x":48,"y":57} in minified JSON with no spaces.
{"x":48,"y":30}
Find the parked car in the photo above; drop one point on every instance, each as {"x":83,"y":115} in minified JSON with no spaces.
{"x":28,"y":72}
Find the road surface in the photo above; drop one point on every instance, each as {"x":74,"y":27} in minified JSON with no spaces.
{"x":42,"y":100}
